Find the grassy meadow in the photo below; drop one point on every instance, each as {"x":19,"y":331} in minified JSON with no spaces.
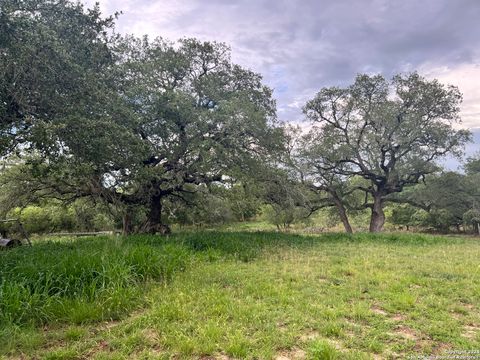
{"x":241,"y":295}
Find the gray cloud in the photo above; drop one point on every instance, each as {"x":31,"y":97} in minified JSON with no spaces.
{"x":301,"y":46}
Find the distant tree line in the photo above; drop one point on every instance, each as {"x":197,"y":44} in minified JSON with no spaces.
{"x":148,"y":133}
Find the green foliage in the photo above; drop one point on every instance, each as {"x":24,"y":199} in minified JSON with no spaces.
{"x":53,"y":57}
{"x":52,"y":216}
{"x":40,"y":219}
{"x":472,"y":165}
{"x":377,"y":130}
{"x":182,"y":134}
{"x":34,"y":218}
{"x":90,"y":217}
{"x":204,"y":206}
{"x":285,"y":216}
{"x":472,"y":217}
{"x":167,"y":118}
{"x":244,"y":200}
{"x":444,"y":201}
{"x":208,"y":209}
{"x":404,"y":215}
{"x":287,"y":201}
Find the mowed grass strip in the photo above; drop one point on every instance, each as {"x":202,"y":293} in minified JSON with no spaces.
{"x":277,"y":296}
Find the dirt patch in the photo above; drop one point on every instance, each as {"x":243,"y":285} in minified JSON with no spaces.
{"x":398,"y":317}
{"x":101,"y":347}
{"x":310,"y":335}
{"x":107,"y":325}
{"x":456,"y":315}
{"x":282,"y":326}
{"x":293,"y":354}
{"x":337,"y":344}
{"x":379,"y":311}
{"x":406,"y":333}
{"x":151,"y":336}
{"x":217,"y":357}
{"x":471,"y":331}
{"x":441,"y":349}
{"x":224,"y":357}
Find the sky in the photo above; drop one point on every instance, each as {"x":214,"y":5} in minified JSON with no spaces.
{"x":300,"y":46}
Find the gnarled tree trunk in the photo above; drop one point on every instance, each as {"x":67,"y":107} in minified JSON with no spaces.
{"x":154,"y":224}
{"x":377,"y":219}
{"x":127,"y":222}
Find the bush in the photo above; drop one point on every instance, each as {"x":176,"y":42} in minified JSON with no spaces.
{"x":284,"y":217}
{"x":53,"y":217}
{"x":35,"y":219}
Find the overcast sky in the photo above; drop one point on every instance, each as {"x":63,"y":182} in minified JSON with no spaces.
{"x":300,"y":46}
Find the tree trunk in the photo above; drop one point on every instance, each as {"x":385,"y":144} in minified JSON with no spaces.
{"x":342,"y":212}
{"x":377,"y":219}
{"x":127,"y":223}
{"x":154,"y":224}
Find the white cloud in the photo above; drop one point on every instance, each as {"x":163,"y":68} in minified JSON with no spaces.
{"x":467,"y":78}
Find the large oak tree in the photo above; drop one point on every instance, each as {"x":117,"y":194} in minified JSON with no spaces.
{"x":177,"y":116}
{"x":197,"y":119}
{"x":390,"y":133}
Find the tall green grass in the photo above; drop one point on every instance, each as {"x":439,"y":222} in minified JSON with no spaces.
{"x":93,"y":279}
{"x":82,"y":280}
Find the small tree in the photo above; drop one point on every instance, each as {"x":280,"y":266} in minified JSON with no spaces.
{"x":304,"y":165}
{"x":472,"y":217}
{"x":288,"y":200}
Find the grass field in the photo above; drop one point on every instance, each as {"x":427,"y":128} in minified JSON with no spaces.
{"x":245,"y":295}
